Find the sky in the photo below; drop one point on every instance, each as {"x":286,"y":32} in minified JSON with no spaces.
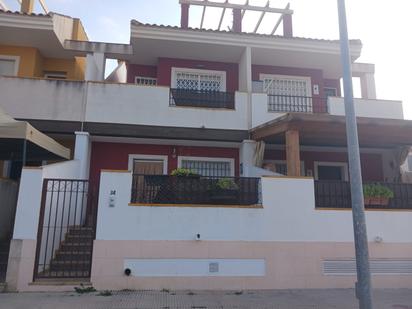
{"x":385,"y":28}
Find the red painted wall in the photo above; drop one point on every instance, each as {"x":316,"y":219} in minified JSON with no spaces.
{"x":116,"y":155}
{"x":140,"y":70}
{"x":165,"y":65}
{"x":372,"y":168}
{"x":316,"y":76}
{"x":333,"y":83}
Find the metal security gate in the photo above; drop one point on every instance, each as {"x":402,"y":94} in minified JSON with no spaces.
{"x":66,"y":229}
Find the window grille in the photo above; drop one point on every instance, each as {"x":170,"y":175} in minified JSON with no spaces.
{"x":289,"y":95}
{"x":199,"y":81}
{"x":330,"y":92}
{"x":209,"y":168}
{"x":145,"y":81}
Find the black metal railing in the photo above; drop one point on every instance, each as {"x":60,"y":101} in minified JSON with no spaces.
{"x":296,"y":104}
{"x":66,"y":229}
{"x":196,"y":190}
{"x":336,"y":194}
{"x":202,"y":98}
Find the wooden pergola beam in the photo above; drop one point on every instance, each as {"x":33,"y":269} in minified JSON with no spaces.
{"x":237,"y":6}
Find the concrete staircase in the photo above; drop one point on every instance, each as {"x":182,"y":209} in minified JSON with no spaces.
{"x":73,"y":257}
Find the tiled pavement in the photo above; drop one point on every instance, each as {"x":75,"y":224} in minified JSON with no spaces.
{"x":290,"y":299}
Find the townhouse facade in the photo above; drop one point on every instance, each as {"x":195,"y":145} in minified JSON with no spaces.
{"x":207,"y":159}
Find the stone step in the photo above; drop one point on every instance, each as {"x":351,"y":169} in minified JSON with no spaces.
{"x":87,"y":231}
{"x":68,"y":247}
{"x":73,"y":255}
{"x":57,"y":265}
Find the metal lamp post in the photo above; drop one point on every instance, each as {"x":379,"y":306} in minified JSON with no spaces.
{"x":363,"y":285}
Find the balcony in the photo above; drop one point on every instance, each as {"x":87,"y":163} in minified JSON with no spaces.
{"x":296,"y":104}
{"x":200,"y":98}
{"x":336,"y":195}
{"x":196,"y":190}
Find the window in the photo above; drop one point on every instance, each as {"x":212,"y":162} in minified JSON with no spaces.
{"x":145,"y":81}
{"x":9,"y":65}
{"x":331,"y":171}
{"x":203,"y":80}
{"x":148,"y":164}
{"x":213,"y":167}
{"x":55,"y":75}
{"x":287,"y":93}
{"x":330,"y":92}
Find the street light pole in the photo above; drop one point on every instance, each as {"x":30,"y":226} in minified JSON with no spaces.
{"x":363,"y":286}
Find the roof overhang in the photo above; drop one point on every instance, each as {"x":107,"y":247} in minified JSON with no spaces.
{"x":14,"y":133}
{"x":111,"y":50}
{"x":330,"y":130}
{"x":151,"y":42}
{"x":44,"y":32}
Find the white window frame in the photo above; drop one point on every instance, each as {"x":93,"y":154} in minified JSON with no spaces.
{"x":208,"y":159}
{"x":302,"y":164}
{"x":334,"y":88}
{"x":176,"y":70}
{"x":316,"y":164}
{"x":308,"y":80}
{"x":16,"y":60}
{"x":149,"y":158}
{"x":147,"y":78}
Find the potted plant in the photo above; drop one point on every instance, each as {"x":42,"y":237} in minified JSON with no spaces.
{"x":377,"y":195}
{"x":224,"y":190}
{"x":186,"y":185}
{"x":184,"y":172}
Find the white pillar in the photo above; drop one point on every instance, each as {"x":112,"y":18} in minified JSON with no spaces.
{"x":246,"y":154}
{"x":245,"y":71}
{"x":82,"y":151}
{"x":368,"y":86}
{"x":95,"y":66}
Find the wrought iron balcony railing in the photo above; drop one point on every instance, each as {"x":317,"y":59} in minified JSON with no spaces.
{"x":195,"y":190}
{"x":201,"y":98}
{"x":296,"y":104}
{"x":336,"y":194}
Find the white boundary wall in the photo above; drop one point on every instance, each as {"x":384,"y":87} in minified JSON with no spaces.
{"x":288,"y":214}
{"x":29,"y":200}
{"x":368,"y":108}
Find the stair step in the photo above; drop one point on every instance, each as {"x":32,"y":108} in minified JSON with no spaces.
{"x":81,"y":231}
{"x":73,"y":256}
{"x":68,"y":247}
{"x":69,"y":265}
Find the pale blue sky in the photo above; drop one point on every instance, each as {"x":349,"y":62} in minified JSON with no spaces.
{"x":383,"y":26}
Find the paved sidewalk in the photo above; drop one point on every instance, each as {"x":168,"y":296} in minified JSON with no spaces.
{"x":280,"y":299}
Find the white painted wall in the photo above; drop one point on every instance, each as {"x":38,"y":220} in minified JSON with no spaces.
{"x":42,"y":99}
{"x":260,"y":113}
{"x":196,"y":267}
{"x":29,"y":199}
{"x":286,"y":216}
{"x":146,"y":105}
{"x":368,"y":108}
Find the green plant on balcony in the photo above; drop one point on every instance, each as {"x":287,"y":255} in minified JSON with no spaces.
{"x":224,"y":190}
{"x":377,"y":194}
{"x":184,"y":172}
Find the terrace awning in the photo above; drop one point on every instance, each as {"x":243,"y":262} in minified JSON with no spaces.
{"x":296,"y":129}
{"x":14,"y":134}
{"x":330,"y":130}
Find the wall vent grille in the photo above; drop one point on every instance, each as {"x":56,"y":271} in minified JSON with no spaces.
{"x":378,"y":267}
